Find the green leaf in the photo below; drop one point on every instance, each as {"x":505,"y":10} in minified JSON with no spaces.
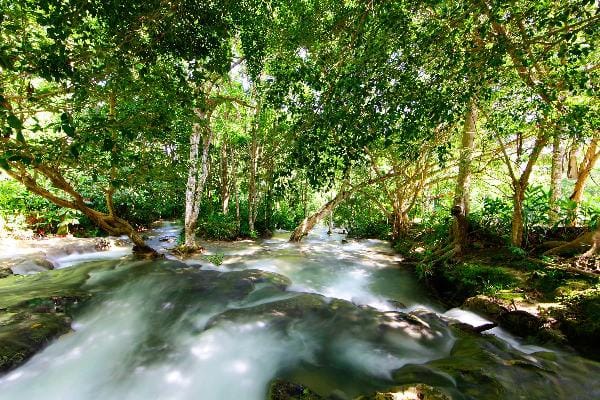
{"x":20,"y":137}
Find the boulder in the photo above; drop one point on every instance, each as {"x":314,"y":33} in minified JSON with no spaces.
{"x":484,"y":305}
{"x":30,"y":265}
{"x":520,"y":323}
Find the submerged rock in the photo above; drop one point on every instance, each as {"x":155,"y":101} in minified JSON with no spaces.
{"x":32,"y":265}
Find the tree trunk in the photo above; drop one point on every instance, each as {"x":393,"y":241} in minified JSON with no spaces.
{"x":588,"y":242}
{"x":555,"y":178}
{"x":309,"y":222}
{"x":195,"y":184}
{"x":520,"y":183}
{"x":595,"y":249}
{"x":110,"y":223}
{"x":572,"y":161}
{"x":583,"y":174}
{"x":252,"y":182}
{"x":225,"y":184}
{"x":460,"y":209}
{"x":517,"y":217}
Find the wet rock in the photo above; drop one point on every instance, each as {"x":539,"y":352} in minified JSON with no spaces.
{"x":408,"y":392}
{"x":5,"y":270}
{"x":520,"y":323}
{"x":101,"y":244}
{"x":283,"y":390}
{"x":23,"y":334}
{"x":122,"y":242}
{"x":397,"y":304}
{"x":30,"y":265}
{"x":484,"y":305}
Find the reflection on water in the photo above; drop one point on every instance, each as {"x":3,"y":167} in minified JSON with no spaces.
{"x":326,"y":314}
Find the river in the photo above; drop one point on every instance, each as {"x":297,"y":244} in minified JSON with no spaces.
{"x":343,"y":319}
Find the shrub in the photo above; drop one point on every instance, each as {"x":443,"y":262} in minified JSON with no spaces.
{"x":217,"y":226}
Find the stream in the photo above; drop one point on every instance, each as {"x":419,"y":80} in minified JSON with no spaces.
{"x":343,"y":319}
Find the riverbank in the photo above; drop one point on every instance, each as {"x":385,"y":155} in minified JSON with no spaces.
{"x":541,"y":299}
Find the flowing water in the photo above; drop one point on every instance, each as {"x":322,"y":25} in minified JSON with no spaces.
{"x":343,"y":319}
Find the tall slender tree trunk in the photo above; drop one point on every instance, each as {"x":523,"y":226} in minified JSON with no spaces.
{"x":252,"y":183}
{"x":460,"y":209}
{"x":225,"y":184}
{"x":196,"y":176}
{"x":518,"y":225}
{"x":234,"y":185}
{"x":555,"y":178}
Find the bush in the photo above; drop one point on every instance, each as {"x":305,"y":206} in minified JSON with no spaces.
{"x":217,"y":226}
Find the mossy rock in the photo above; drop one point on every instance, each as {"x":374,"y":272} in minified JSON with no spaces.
{"x":283,"y":390}
{"x":23,"y":334}
{"x":520,"y":323}
{"x":485,"y":305}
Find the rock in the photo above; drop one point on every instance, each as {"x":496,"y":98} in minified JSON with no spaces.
{"x":122,"y":242}
{"x":408,"y":392}
{"x":23,"y":334}
{"x":31,"y":265}
{"x":520,"y":323}
{"x":102,"y":244}
{"x":397,"y":304}
{"x":484,"y":305}
{"x":283,"y":390}
{"x":344,"y":241}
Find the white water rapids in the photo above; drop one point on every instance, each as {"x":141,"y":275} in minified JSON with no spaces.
{"x":156,"y":336}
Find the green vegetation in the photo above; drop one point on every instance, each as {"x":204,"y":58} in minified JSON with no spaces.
{"x":466,"y":132}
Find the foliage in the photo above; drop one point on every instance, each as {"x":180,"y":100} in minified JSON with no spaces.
{"x":217,"y":226}
{"x":362,"y":220}
{"x":216,"y":259}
